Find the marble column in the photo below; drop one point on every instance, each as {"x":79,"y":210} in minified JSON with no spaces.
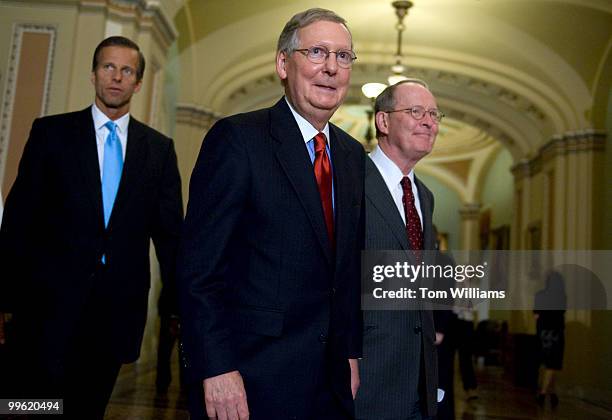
{"x":470,"y":213}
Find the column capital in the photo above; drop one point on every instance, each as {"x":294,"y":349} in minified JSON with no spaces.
{"x":470,"y":211}
{"x":147,"y":14}
{"x":195,"y":115}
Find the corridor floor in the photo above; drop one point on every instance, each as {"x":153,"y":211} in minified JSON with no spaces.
{"x":135,"y":396}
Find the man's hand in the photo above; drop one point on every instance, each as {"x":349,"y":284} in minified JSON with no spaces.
{"x":354,"y":376}
{"x":225,"y":397}
{"x":439,"y":338}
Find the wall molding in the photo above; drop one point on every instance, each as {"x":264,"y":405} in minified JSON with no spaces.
{"x":195,"y":116}
{"x":11,"y":81}
{"x":147,"y":14}
{"x":572,"y":142}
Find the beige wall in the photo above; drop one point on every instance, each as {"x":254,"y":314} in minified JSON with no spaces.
{"x":28,"y":95}
{"x":78,"y":28}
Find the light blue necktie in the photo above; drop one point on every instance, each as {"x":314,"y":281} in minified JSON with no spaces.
{"x":111,"y":169}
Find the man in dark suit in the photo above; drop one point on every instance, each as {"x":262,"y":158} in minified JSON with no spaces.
{"x":398,"y":370}
{"x":93,"y":188}
{"x":269,"y":261}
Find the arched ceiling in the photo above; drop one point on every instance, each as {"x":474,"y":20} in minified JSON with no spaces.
{"x":510,"y":71}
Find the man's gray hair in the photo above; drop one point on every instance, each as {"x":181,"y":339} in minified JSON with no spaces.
{"x":288,"y":40}
{"x":385,"y":101}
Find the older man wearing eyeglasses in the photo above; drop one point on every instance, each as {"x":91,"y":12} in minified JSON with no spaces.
{"x":399,"y":368}
{"x":269,"y":266}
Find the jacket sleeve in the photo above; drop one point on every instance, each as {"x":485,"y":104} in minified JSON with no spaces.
{"x":24,"y":209}
{"x":356,"y":331}
{"x":217,"y":194}
{"x":166,"y":230}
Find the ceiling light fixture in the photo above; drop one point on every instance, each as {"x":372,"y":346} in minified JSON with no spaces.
{"x":397,"y":70}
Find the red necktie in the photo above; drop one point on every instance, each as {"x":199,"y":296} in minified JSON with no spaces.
{"x":323,"y":174}
{"x":413,"y":223}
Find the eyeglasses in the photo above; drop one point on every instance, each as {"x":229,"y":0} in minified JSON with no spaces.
{"x":418,"y":113}
{"x":319,"y":55}
{"x":110,"y":68}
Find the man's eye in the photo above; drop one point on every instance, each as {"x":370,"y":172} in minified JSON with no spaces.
{"x":316,"y":50}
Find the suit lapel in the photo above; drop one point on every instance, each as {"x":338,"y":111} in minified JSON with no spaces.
{"x":379,"y":195}
{"x":293,"y":158}
{"x":342,"y":187}
{"x":429,"y":239}
{"x":87,"y":156}
{"x":135,"y":158}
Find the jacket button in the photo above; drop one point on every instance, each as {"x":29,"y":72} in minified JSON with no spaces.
{"x":323,"y":338}
{"x":418,"y":330}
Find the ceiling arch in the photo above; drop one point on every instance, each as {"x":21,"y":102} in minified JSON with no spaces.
{"x":464,"y":45}
{"x":517,"y":73}
{"x":514,"y":120}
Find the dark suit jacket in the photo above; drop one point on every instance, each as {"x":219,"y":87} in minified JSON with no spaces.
{"x":53,"y":237}
{"x":261,"y":290}
{"x":394,"y":341}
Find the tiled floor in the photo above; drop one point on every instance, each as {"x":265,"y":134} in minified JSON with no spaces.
{"x":499,"y":399}
{"x":135,"y":397}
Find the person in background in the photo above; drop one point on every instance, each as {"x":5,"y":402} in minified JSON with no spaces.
{"x":464,"y":333}
{"x":169,"y":331}
{"x":445,"y":321}
{"x":93,"y":188}
{"x":549,"y":312}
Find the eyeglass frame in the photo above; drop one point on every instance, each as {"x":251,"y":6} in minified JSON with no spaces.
{"x":306,"y":52}
{"x":440,"y":114}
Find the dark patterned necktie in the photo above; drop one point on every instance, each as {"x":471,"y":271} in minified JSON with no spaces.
{"x":323,"y":174}
{"x":413,"y":223}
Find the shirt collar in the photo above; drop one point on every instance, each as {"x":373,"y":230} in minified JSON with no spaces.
{"x":100,"y":118}
{"x":388,"y":169}
{"x":308,"y":131}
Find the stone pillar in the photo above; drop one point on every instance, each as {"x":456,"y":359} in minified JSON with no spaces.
{"x":573,"y":167}
{"x":470,"y":213}
{"x":192,"y":123}
{"x":520,"y":214}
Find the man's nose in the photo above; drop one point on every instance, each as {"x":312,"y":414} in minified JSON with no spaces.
{"x":117,"y":75}
{"x":427,"y":120}
{"x":331,"y":63}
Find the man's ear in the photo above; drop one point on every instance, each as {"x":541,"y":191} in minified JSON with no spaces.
{"x":138,"y":86}
{"x":92,"y":78}
{"x":382,"y":122}
{"x":281,"y":64}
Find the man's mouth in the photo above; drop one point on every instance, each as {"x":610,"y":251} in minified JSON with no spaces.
{"x":326,"y":87}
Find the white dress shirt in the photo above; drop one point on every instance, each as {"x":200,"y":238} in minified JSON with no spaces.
{"x":308,"y":132}
{"x":100,"y":119}
{"x":393,"y":176}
